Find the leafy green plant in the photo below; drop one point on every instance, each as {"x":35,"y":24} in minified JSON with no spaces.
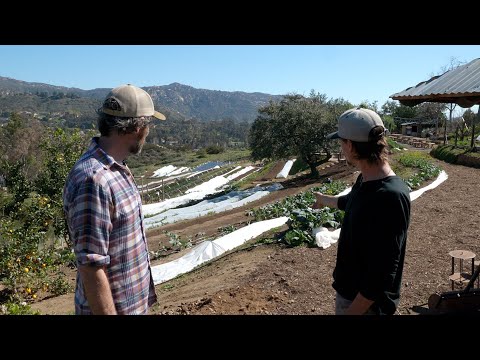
{"x":227,"y":229}
{"x":60,"y":286}
{"x":418,"y":160}
{"x":33,"y":235}
{"x":177,"y":242}
{"x":11,"y":308}
{"x":303,"y":219}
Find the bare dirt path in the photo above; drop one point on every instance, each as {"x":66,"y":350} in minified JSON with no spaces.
{"x":271,"y":279}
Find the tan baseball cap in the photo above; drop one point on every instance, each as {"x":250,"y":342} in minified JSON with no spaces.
{"x":129,"y":101}
{"x":356,"y":124}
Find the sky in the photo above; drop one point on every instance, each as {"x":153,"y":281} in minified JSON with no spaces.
{"x":354,"y":72}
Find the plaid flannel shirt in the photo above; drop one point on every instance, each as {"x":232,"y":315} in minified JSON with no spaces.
{"x":105,"y":221}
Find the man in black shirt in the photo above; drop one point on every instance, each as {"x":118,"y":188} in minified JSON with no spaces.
{"x":371,"y":247}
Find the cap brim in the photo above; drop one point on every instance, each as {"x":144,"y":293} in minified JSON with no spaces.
{"x":159,"y":115}
{"x":333,"y":136}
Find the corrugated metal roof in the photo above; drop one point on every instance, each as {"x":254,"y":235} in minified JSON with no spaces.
{"x":462,"y":83}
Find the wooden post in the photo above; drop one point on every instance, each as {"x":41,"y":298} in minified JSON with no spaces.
{"x":472,"y":142}
{"x":163,"y":192}
{"x":452,"y":106}
{"x":456,"y":136}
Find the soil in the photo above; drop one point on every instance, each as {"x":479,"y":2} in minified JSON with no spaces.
{"x":273,"y":279}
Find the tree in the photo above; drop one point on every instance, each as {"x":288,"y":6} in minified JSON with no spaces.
{"x":19,"y":141}
{"x":296,"y":126}
{"x":470,"y":117}
{"x":386,"y":113}
{"x":61,"y":151}
{"x":370,"y":105}
{"x":389,"y":107}
{"x":398,"y":114}
{"x":403,"y":111}
{"x":430,"y":111}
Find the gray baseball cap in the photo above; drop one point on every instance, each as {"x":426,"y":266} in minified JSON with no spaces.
{"x":355,"y":124}
{"x":129,"y":101}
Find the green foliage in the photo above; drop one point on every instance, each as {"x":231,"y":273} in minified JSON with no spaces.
{"x":168,"y":286}
{"x":447,"y":153}
{"x":470,"y":117}
{"x":389,"y":123}
{"x":29,"y":254}
{"x":177,"y":242}
{"x":193,"y":134}
{"x":431,"y":111}
{"x":303,"y":219}
{"x":60,"y":286}
{"x":202,"y":153}
{"x":153,"y":157}
{"x":455,"y":155}
{"x":394,"y":146}
{"x":389,"y":108}
{"x":418,"y":160}
{"x":18,"y":185}
{"x":62,"y":149}
{"x":403,"y":111}
{"x":302,"y":222}
{"x":214,"y":149}
{"x":370,"y":105}
{"x":224,"y":230}
{"x":11,"y":308}
{"x":296,"y":126}
{"x":32,"y":228}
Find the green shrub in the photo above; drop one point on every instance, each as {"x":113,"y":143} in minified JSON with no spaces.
{"x":214,"y":149}
{"x":446,"y":153}
{"x":418,"y":160}
{"x":10,"y":308}
{"x":303,"y":219}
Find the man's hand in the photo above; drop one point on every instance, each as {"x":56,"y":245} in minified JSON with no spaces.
{"x":319,"y":203}
{"x":324,"y":200}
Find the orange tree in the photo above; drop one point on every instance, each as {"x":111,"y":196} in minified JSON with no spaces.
{"x":31,"y":214}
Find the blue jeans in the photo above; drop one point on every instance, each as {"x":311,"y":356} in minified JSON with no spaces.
{"x":342,"y":304}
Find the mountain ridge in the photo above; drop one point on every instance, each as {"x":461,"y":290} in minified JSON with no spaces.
{"x":177,"y":100}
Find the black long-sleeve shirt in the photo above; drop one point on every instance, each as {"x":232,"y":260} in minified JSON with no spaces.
{"x":371,"y":247}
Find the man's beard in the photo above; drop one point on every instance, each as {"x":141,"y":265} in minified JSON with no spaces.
{"x":136,"y":148}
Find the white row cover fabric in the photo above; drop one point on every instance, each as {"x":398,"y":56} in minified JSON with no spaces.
{"x":286,"y":169}
{"x":163,"y":171}
{"x":208,"y":250}
{"x":324,"y":238}
{"x":211,"y":249}
{"x":210,"y":187}
{"x":219,"y":204}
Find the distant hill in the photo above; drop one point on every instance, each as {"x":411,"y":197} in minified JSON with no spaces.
{"x":177,"y":101}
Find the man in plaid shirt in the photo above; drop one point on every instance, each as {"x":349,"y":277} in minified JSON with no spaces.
{"x":103,"y":209}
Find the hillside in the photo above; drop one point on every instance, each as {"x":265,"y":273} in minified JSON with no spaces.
{"x":176,"y":100}
{"x":269,"y":278}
